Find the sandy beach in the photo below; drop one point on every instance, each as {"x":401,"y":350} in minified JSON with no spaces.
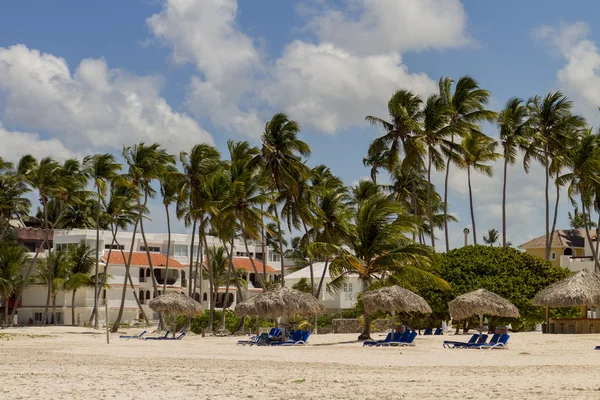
{"x":75,"y":363}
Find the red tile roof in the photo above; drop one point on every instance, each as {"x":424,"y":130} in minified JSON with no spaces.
{"x":139,"y":258}
{"x":244,"y":263}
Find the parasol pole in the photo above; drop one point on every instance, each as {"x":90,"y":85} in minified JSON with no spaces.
{"x":547,"y":319}
{"x":393,"y":315}
{"x":480,"y":324}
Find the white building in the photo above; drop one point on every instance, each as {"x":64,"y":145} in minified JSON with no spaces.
{"x":177,"y":278}
{"x":345,"y":299}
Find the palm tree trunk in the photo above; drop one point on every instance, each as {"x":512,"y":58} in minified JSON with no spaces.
{"x":555,"y":211}
{"x":322,"y":279}
{"x":199,"y":266}
{"x":6,"y":298}
{"x":547,"y":205}
{"x":115,"y":327}
{"x":262,"y":242}
{"x":414,"y":203}
{"x":95,"y":309}
{"x":73,"y":305}
{"x":260,"y":280}
{"x":310,"y":263}
{"x":168,"y":248}
{"x":161,"y":320}
{"x":587,"y":232}
{"x":446,"y":203}
{"x":49,"y":294}
{"x":366,"y":334}
{"x":54,"y":320}
{"x":429,"y":211}
{"x":597,"y":241}
{"x":211,"y":314}
{"x":190,"y":293}
{"x":280,"y":237}
{"x":471,"y":205}
{"x":227,"y":283}
{"x":504,"y":203}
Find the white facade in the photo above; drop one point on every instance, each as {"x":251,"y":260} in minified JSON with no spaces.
{"x":34,"y":297}
{"x":344,"y":299}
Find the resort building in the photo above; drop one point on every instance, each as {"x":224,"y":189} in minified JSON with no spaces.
{"x":113,"y":256}
{"x":569,"y":249}
{"x":334,"y":302}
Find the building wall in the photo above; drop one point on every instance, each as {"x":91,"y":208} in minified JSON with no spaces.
{"x":541,"y":253}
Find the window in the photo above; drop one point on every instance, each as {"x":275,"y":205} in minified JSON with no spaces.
{"x":241,"y":254}
{"x":114,"y":246}
{"x":68,"y":247}
{"x":180,"y":250}
{"x":553,"y":256}
{"x":275,"y":257}
{"x":348,"y":295}
{"x":37,"y":317}
{"x":153,"y":249}
{"x":568,"y":251}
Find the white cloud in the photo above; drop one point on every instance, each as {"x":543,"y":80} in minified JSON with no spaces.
{"x":16,"y":144}
{"x":384,"y":26}
{"x":350,"y":71}
{"x":94,"y":106}
{"x":580,"y":77}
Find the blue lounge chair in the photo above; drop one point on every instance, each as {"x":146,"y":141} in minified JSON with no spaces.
{"x":370,"y":343}
{"x":428,"y":331}
{"x":408,"y":342}
{"x":400,"y":338}
{"x":500,"y":344}
{"x":158,"y":337}
{"x":298,"y":338}
{"x":260,"y":339}
{"x":451,"y":344}
{"x":139,"y":336}
{"x":181,"y":335}
{"x":438,"y":332}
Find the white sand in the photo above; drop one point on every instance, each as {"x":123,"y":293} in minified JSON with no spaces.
{"x":76,"y":363}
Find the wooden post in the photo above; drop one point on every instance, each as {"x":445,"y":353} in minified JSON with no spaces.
{"x":547,"y":319}
{"x":481,"y":324}
{"x":584,"y":311}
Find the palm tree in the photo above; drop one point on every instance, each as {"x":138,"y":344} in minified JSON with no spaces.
{"x":101,"y":168}
{"x":12,"y":260}
{"x":146,"y":163}
{"x":379,"y":248}
{"x":219,"y":269}
{"x":12,"y":202}
{"x":282,"y":154}
{"x":378,"y":157}
{"x":550,"y":119}
{"x":434,"y":132}
{"x":576,"y":220}
{"x":513,"y":124}
{"x":198,"y":165}
{"x":81,"y":264}
{"x":466,"y":109}
{"x":584,"y":160}
{"x":476,"y":151}
{"x":54,"y":273}
{"x":492,"y":237}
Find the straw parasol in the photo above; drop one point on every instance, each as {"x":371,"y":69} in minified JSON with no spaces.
{"x":174,"y":303}
{"x":480,"y":302}
{"x":394,"y":298}
{"x":280,"y":302}
{"x":580,"y":289}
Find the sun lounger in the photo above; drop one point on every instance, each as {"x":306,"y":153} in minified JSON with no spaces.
{"x":370,"y":343}
{"x":451,"y":344}
{"x":260,"y":339}
{"x":298,"y":338}
{"x":406,"y":339}
{"x":139,"y":336}
{"x":158,"y":337}
{"x":438,"y":332}
{"x":181,"y":335}
{"x":428,"y":332}
{"x":500,"y":344}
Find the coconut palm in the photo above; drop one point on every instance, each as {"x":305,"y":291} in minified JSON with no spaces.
{"x":584,"y":160}
{"x":513,"y":124}
{"x":219,"y":268}
{"x":477,"y":151}
{"x":576,"y":220}
{"x":81,"y":264}
{"x":198,"y":165}
{"x":54,"y":272}
{"x":12,"y":260}
{"x":282,"y":154}
{"x":13,"y":204}
{"x":466,"y":109}
{"x":378,"y":157}
{"x":550,"y":119}
{"x":379,"y":248}
{"x":101,"y":168}
{"x":492,"y":237}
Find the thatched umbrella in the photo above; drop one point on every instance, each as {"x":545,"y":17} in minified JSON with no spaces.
{"x":581,"y":289}
{"x":175,"y":304}
{"x":279,"y":303}
{"x":480,"y":302}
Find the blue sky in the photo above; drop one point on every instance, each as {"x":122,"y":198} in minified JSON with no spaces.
{"x":79,"y":77}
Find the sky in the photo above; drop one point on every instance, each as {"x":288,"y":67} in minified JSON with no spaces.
{"x":81,"y":77}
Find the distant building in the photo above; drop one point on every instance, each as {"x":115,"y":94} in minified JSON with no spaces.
{"x":344,"y":299}
{"x":569,"y":248}
{"x":177,"y":278}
